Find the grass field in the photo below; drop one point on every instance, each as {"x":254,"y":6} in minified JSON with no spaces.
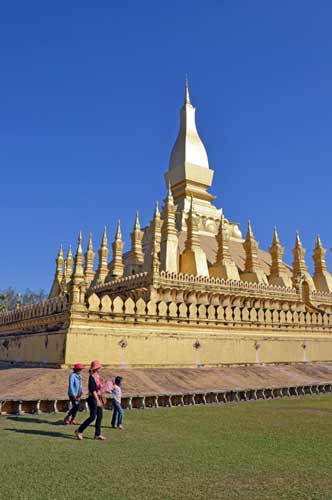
{"x":278,"y":449}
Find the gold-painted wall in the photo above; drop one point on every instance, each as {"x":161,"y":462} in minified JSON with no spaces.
{"x":34,"y":348}
{"x":157,"y":345}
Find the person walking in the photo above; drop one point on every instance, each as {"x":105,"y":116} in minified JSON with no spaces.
{"x":116,"y":403}
{"x":95,"y":403}
{"x":74,"y":393}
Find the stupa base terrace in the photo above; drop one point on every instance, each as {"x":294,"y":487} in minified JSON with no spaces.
{"x":43,"y":390}
{"x":182,"y":321}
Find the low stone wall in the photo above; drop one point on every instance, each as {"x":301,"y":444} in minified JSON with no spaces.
{"x":129,"y":402}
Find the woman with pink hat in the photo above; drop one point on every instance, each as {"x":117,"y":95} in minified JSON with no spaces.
{"x":95,"y":402}
{"x":74,"y":393}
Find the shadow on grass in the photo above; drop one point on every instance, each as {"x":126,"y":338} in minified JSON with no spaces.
{"x":41,"y":433}
{"x":35,"y":420}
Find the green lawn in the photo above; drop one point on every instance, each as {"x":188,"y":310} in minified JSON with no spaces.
{"x":278,"y":449}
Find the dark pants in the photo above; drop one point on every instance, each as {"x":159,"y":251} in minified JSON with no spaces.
{"x":74,"y":408}
{"x":95,"y":413}
{"x":117,"y":414}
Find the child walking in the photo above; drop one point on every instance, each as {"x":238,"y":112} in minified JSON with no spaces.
{"x":116,"y":403}
{"x":95,"y":402}
{"x":74,"y":393}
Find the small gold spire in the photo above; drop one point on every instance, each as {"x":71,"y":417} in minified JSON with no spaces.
{"x":69,"y":264}
{"x":253,"y":270}
{"x":300,"y":269}
{"x":103,"y":252}
{"x":224,"y":266}
{"x":104,"y":238}
{"x":117,"y":266}
{"x":89,"y":262}
{"x":135,"y":258}
{"x":322,"y":278}
{"x":78,"y":269}
{"x":279,"y":275}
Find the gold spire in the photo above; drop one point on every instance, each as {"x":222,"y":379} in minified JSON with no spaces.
{"x":89,"y":262}
{"x":64,"y":287}
{"x":300,"y":269}
{"x":56,"y":286}
{"x":278,"y":271}
{"x":78,"y":269}
{"x":299,"y":264}
{"x":224,"y":266}
{"x":135,"y":259}
{"x":59,"y":265}
{"x":137,"y":225}
{"x":322,"y":278}
{"x":69,"y":265}
{"x":275,"y":236}
{"x":103,"y":252}
{"x":193,"y":259}
{"x":156,"y":210}
{"x":169,"y":238}
{"x":192,"y":240}
{"x":253,"y":270}
{"x":117,"y":267}
{"x":153,"y":236}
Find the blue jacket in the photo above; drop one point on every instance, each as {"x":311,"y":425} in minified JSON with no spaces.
{"x":75,"y":385}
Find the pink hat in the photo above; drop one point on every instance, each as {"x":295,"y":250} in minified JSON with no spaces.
{"x":95,"y":365}
{"x":78,"y":366}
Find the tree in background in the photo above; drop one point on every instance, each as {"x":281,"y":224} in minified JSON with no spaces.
{"x":9,"y":298}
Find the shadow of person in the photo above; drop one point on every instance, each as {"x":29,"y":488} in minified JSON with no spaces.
{"x":34,"y":432}
{"x":34,"y":420}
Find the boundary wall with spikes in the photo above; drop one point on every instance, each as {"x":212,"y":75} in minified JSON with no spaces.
{"x":35,"y":334}
{"x":168,"y":334}
{"x":198,"y":329}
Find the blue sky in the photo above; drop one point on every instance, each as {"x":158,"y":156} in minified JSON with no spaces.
{"x":89,"y":101}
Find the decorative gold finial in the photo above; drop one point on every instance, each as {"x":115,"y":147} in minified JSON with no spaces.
{"x":187,"y":96}
{"x":156,"y":210}
{"x":104,"y":238}
{"x":137,"y":225}
{"x":250,"y":231}
{"x":90,"y":242}
{"x":297,"y":239}
{"x":118,"y":235}
{"x":275,"y":235}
